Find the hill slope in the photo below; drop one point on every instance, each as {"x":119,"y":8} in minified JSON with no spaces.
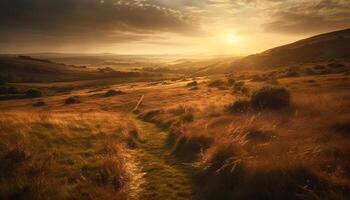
{"x":333,"y":45}
{"x":28,"y":69}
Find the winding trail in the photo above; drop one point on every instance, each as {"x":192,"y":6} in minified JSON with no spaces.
{"x":165,"y":178}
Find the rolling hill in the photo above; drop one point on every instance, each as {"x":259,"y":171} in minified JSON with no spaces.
{"x":324,"y":47}
{"x":29,"y":69}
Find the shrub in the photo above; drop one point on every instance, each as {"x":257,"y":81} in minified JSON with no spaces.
{"x":33,"y":93}
{"x":239,"y":106}
{"x":39,"y":104}
{"x":336,"y":65}
{"x":187,"y":117}
{"x":231,"y":81}
{"x":270,"y":98}
{"x":192,"y":84}
{"x":110,"y":93}
{"x":72,"y":100}
{"x":216,"y":83}
{"x":240,"y":87}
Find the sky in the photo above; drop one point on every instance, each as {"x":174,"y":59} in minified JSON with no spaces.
{"x":230,"y":27}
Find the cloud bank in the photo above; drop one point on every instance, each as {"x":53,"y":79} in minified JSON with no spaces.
{"x":84,"y":20}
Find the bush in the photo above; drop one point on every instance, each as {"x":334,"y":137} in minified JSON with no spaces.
{"x":110,"y":93}
{"x":231,"y":81}
{"x":192,"y":84}
{"x":216,"y":83}
{"x":240,"y":87}
{"x":270,"y":98}
{"x":336,"y":65}
{"x":239,"y":106}
{"x":72,"y":100}
{"x":39,"y":104}
{"x":187,"y":117}
{"x":33,"y":93}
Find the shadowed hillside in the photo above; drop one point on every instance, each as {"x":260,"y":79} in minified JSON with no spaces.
{"x":29,"y":69}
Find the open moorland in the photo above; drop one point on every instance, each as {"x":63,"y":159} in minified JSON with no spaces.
{"x":242,"y":128}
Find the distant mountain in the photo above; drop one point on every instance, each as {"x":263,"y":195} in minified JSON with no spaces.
{"x":324,"y":47}
{"x":29,"y":69}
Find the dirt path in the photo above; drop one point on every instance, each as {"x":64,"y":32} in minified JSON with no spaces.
{"x":165,"y":178}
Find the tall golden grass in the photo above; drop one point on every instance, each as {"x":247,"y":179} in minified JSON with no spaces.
{"x":65,"y":155}
{"x":295,"y":153}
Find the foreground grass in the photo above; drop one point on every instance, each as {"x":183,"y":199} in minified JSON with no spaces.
{"x":299,"y":150}
{"x":65,"y":156}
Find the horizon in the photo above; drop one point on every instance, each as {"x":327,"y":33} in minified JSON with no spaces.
{"x":178,"y":55}
{"x":164,"y":27}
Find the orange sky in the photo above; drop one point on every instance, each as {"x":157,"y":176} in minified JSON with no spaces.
{"x":235,"y":27}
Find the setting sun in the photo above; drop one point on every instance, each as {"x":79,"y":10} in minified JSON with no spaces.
{"x":231,"y":38}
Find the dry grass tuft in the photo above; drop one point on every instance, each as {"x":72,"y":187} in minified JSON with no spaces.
{"x":72,"y":100}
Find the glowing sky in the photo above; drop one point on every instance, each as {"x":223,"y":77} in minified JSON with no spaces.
{"x":234,"y":27}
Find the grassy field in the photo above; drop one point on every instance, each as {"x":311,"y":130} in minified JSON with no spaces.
{"x":245,"y":135}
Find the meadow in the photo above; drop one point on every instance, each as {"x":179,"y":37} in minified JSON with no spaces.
{"x":243,"y":135}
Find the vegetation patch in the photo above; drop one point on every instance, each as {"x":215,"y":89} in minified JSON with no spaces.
{"x":224,"y":173}
{"x":72,"y":100}
{"x":110,"y":93}
{"x":192,"y":84}
{"x":217,"y":84}
{"x":33,"y":93}
{"x":39,"y":103}
{"x":239,"y":106}
{"x":270,"y":98}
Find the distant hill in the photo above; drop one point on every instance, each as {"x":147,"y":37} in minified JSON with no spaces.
{"x":324,"y":47}
{"x":29,"y":69}
{"x":333,"y":45}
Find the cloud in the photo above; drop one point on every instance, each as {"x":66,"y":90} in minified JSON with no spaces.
{"x":60,"y":21}
{"x":310,"y":17}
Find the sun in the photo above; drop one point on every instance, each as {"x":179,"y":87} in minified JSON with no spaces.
{"x":231,"y":38}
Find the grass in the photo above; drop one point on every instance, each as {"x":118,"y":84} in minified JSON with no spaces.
{"x":266,"y":153}
{"x":71,"y":155}
{"x":74,"y":151}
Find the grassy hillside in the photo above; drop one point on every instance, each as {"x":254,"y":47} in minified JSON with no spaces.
{"x":29,"y":69}
{"x":324,"y":47}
